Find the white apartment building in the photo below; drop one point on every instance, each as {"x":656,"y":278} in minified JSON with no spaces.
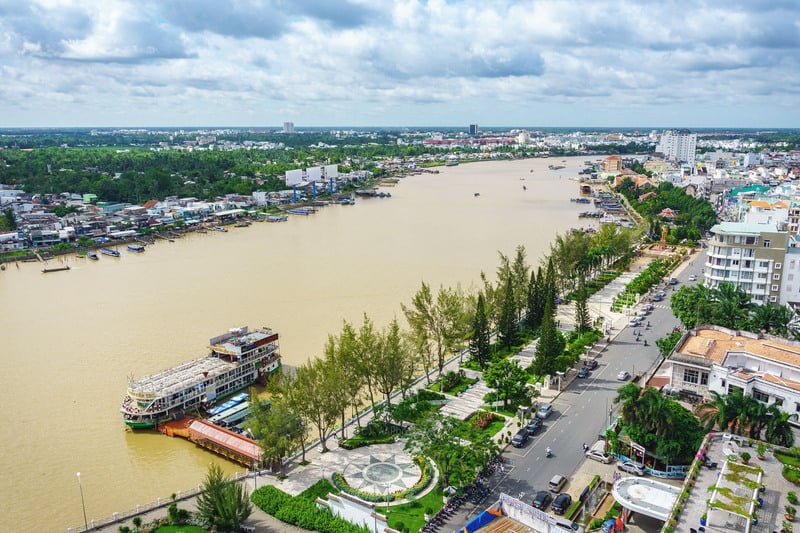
{"x":750,"y":256}
{"x":678,"y":145}
{"x":713,"y":358}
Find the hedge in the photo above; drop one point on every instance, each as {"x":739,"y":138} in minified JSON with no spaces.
{"x":300,"y":512}
{"x":427,"y":475}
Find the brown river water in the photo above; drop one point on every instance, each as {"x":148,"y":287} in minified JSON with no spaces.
{"x":71,"y":339}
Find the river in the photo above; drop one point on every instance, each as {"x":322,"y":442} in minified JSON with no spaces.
{"x":71,"y":339}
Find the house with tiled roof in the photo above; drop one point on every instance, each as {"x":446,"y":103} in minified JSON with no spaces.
{"x":713,"y":358}
{"x":667,"y":213}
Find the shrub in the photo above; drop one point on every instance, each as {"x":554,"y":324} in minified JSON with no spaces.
{"x":791,"y":496}
{"x":301,"y":512}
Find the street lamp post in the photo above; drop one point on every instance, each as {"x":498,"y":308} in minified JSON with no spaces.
{"x":83,"y":505}
{"x":255,"y":477}
{"x":386,"y":485}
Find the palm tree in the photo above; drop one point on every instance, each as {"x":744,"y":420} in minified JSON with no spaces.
{"x":779,"y":431}
{"x":759,"y":416}
{"x":733,"y":305}
{"x":717,"y":411}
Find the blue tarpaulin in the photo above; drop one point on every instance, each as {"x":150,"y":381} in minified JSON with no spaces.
{"x":478,"y":522}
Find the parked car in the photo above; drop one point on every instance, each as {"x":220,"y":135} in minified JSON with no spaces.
{"x":591,"y":364}
{"x":556,"y":483}
{"x":533,"y":426}
{"x":673,"y":281}
{"x":649,"y":307}
{"x":583,"y":372}
{"x":597,"y":455}
{"x":544,"y":411}
{"x":692,"y":278}
{"x":658,"y":298}
{"x":520,"y":438}
{"x":562,"y":503}
{"x":631,"y":467}
{"x":642,"y":314}
{"x":634,"y":322}
{"x":542,"y":500}
{"x":623,"y":375}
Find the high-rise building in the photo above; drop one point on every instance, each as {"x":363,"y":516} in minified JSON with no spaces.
{"x":678,"y":145}
{"x":750,"y":256}
{"x":288,"y":127}
{"x":473,"y":129}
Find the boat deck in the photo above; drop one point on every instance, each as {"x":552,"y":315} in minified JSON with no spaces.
{"x":179,"y":378}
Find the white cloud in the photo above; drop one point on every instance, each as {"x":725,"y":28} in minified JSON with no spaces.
{"x":404,"y":62}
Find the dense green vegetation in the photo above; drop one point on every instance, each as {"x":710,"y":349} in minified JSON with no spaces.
{"x":665,"y":428}
{"x":731,"y":307}
{"x":744,"y":415}
{"x":693,"y":216}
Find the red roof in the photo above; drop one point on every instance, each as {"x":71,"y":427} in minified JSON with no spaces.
{"x":202,"y":430}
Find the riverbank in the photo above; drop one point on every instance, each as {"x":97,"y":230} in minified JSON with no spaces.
{"x":79,"y":336}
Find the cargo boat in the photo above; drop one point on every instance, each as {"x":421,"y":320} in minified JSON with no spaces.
{"x":138,"y":248}
{"x":109,"y":251}
{"x":237,"y":359}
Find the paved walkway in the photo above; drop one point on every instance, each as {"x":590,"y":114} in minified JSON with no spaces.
{"x":298,"y":478}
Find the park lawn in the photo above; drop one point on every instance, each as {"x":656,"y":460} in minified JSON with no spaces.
{"x":468,"y":430}
{"x":412,"y":515}
{"x":787,"y":459}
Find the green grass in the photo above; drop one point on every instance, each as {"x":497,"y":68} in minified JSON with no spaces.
{"x":412,"y":515}
{"x":180,"y":529}
{"x":468,"y":430}
{"x":787,"y":459}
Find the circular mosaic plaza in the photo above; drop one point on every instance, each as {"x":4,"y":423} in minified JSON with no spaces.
{"x":382,"y":473}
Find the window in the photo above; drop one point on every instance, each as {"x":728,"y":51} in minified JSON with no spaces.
{"x":774,"y":288}
{"x":796,"y":407}
{"x":777,"y":266}
{"x":763,"y":264}
{"x":690,"y":376}
{"x":778,"y":401}
{"x":773,"y":298}
{"x":760,"y":396}
{"x":733,"y":389}
{"x":749,"y":240}
{"x":776,"y":277}
{"x":766,"y":243}
{"x":704,"y":378}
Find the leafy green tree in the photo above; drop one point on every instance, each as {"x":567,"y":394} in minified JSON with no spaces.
{"x":223,"y":503}
{"x":536,"y":300}
{"x":550,"y":346}
{"x":443,"y":321}
{"x":507,"y":334}
{"x":393,"y":359}
{"x":668,"y":343}
{"x":458,"y":462}
{"x":778,"y":429}
{"x":276,"y":429}
{"x":509,"y":380}
{"x":345,"y":351}
{"x":582,"y":320}
{"x":659,"y":423}
{"x":480,"y":341}
{"x":519,"y":281}
{"x":9,"y":221}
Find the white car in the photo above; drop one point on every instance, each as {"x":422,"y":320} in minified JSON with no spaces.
{"x":623,"y":375}
{"x":597,"y":455}
{"x":631,"y":468}
{"x":692,"y":278}
{"x":634,"y":322}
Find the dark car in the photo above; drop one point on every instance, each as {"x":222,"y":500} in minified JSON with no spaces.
{"x":520,"y":438}
{"x":583,"y":372}
{"x":562,"y":503}
{"x":542,"y":500}
{"x":591,"y":364}
{"x":533,"y":426}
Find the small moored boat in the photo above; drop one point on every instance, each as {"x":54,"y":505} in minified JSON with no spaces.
{"x":55,"y":269}
{"x":92,"y":256}
{"x":109,"y":251}
{"x":138,"y":248}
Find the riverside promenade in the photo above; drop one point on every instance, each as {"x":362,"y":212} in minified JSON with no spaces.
{"x":321,"y":465}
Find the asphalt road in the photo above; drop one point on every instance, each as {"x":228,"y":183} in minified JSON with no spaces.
{"x":581,"y":412}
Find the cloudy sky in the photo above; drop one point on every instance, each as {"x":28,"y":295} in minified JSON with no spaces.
{"x":612,"y":63}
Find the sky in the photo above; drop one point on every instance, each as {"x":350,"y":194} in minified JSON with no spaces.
{"x":361,"y":63}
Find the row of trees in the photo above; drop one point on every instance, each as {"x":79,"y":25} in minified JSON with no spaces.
{"x":730,"y":306}
{"x":365,"y":363}
{"x":744,"y":415}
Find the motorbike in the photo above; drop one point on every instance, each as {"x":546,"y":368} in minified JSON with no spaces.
{"x":548,"y":453}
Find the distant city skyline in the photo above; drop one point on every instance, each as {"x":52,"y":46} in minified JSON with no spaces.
{"x":383,"y":63}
